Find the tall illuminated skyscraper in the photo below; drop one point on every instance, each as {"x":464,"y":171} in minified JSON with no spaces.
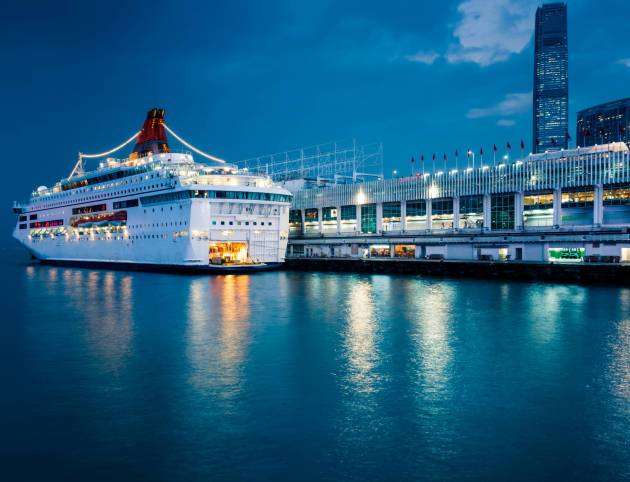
{"x":551,"y":78}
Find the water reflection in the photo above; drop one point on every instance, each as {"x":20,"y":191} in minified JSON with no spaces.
{"x":218,"y":315}
{"x":360,"y":337}
{"x":432,"y":308}
{"x":102,"y":300}
{"x":548,"y":307}
{"x":619,"y":365}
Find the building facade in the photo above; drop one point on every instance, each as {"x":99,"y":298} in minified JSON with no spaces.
{"x":604,"y":123}
{"x":551,"y":79}
{"x":563,"y":205}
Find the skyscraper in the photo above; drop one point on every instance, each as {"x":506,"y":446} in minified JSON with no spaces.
{"x":551,"y":78}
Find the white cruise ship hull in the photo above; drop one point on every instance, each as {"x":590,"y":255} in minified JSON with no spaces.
{"x":158,"y":209}
{"x":177,"y":234}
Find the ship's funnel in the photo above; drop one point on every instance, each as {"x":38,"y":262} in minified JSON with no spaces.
{"x":152,"y":137}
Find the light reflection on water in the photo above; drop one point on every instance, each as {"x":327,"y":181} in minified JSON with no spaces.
{"x":218,"y":324}
{"x":361,"y":351}
{"x":338,"y":376}
{"x":431,"y":336}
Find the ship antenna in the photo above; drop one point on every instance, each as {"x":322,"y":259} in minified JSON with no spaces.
{"x":77,"y":170}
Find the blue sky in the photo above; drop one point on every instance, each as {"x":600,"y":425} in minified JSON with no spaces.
{"x":240,"y":79}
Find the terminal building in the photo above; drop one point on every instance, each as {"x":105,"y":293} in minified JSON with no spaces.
{"x":565,"y":206}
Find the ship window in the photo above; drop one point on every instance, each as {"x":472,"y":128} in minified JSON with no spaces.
{"x":22,"y":218}
{"x":32,"y":216}
{"x":222,"y":223}
{"x":214,"y":223}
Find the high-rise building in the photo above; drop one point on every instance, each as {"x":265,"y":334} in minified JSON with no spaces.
{"x":604,"y":123}
{"x":551,"y":78}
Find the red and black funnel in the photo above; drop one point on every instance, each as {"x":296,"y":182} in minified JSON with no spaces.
{"x":152,"y":138}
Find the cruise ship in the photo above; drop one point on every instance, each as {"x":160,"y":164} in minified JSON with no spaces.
{"x":157,"y":209}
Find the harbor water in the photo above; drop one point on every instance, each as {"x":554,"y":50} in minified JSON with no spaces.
{"x":113,"y":375}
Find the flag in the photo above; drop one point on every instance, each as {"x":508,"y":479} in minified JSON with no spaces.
{"x":445,"y":156}
{"x":422,"y":157}
{"x":413,"y":160}
{"x":509,"y":146}
{"x":522,"y":144}
{"x":434,"y":157}
{"x":481,"y":151}
{"x":494,"y":148}
{"x":456,"y":153}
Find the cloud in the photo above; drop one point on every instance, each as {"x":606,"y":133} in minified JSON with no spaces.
{"x":625,"y":62}
{"x":491,"y":31}
{"x":506,"y":122}
{"x":510,"y":105}
{"x":423,"y":57}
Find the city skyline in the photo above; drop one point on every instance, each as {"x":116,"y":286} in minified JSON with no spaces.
{"x":431,"y":80}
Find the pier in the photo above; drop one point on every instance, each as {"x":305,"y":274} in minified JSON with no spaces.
{"x":569,"y":207}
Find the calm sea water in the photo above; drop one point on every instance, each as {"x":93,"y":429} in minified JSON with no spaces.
{"x":309,"y":376}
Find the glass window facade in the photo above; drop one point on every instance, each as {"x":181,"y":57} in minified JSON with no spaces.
{"x":616,"y":203}
{"x":582,"y":198}
{"x":471,"y":212}
{"x":551,"y":78}
{"x":329,"y":218}
{"x":311,"y":221}
{"x":295,"y":221}
{"x":604,"y":123}
{"x":416,"y":218}
{"x":617,"y":194}
{"x":538,"y":209}
{"x":368,"y":218}
{"x":391,"y":216}
{"x":502,"y":211}
{"x":442,"y":213}
{"x":349,"y":213}
{"x":391,"y":211}
{"x":348,"y":218}
{"x":416,"y":208}
{"x":577,"y":206}
{"x":311,"y":215}
{"x":329,"y":214}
